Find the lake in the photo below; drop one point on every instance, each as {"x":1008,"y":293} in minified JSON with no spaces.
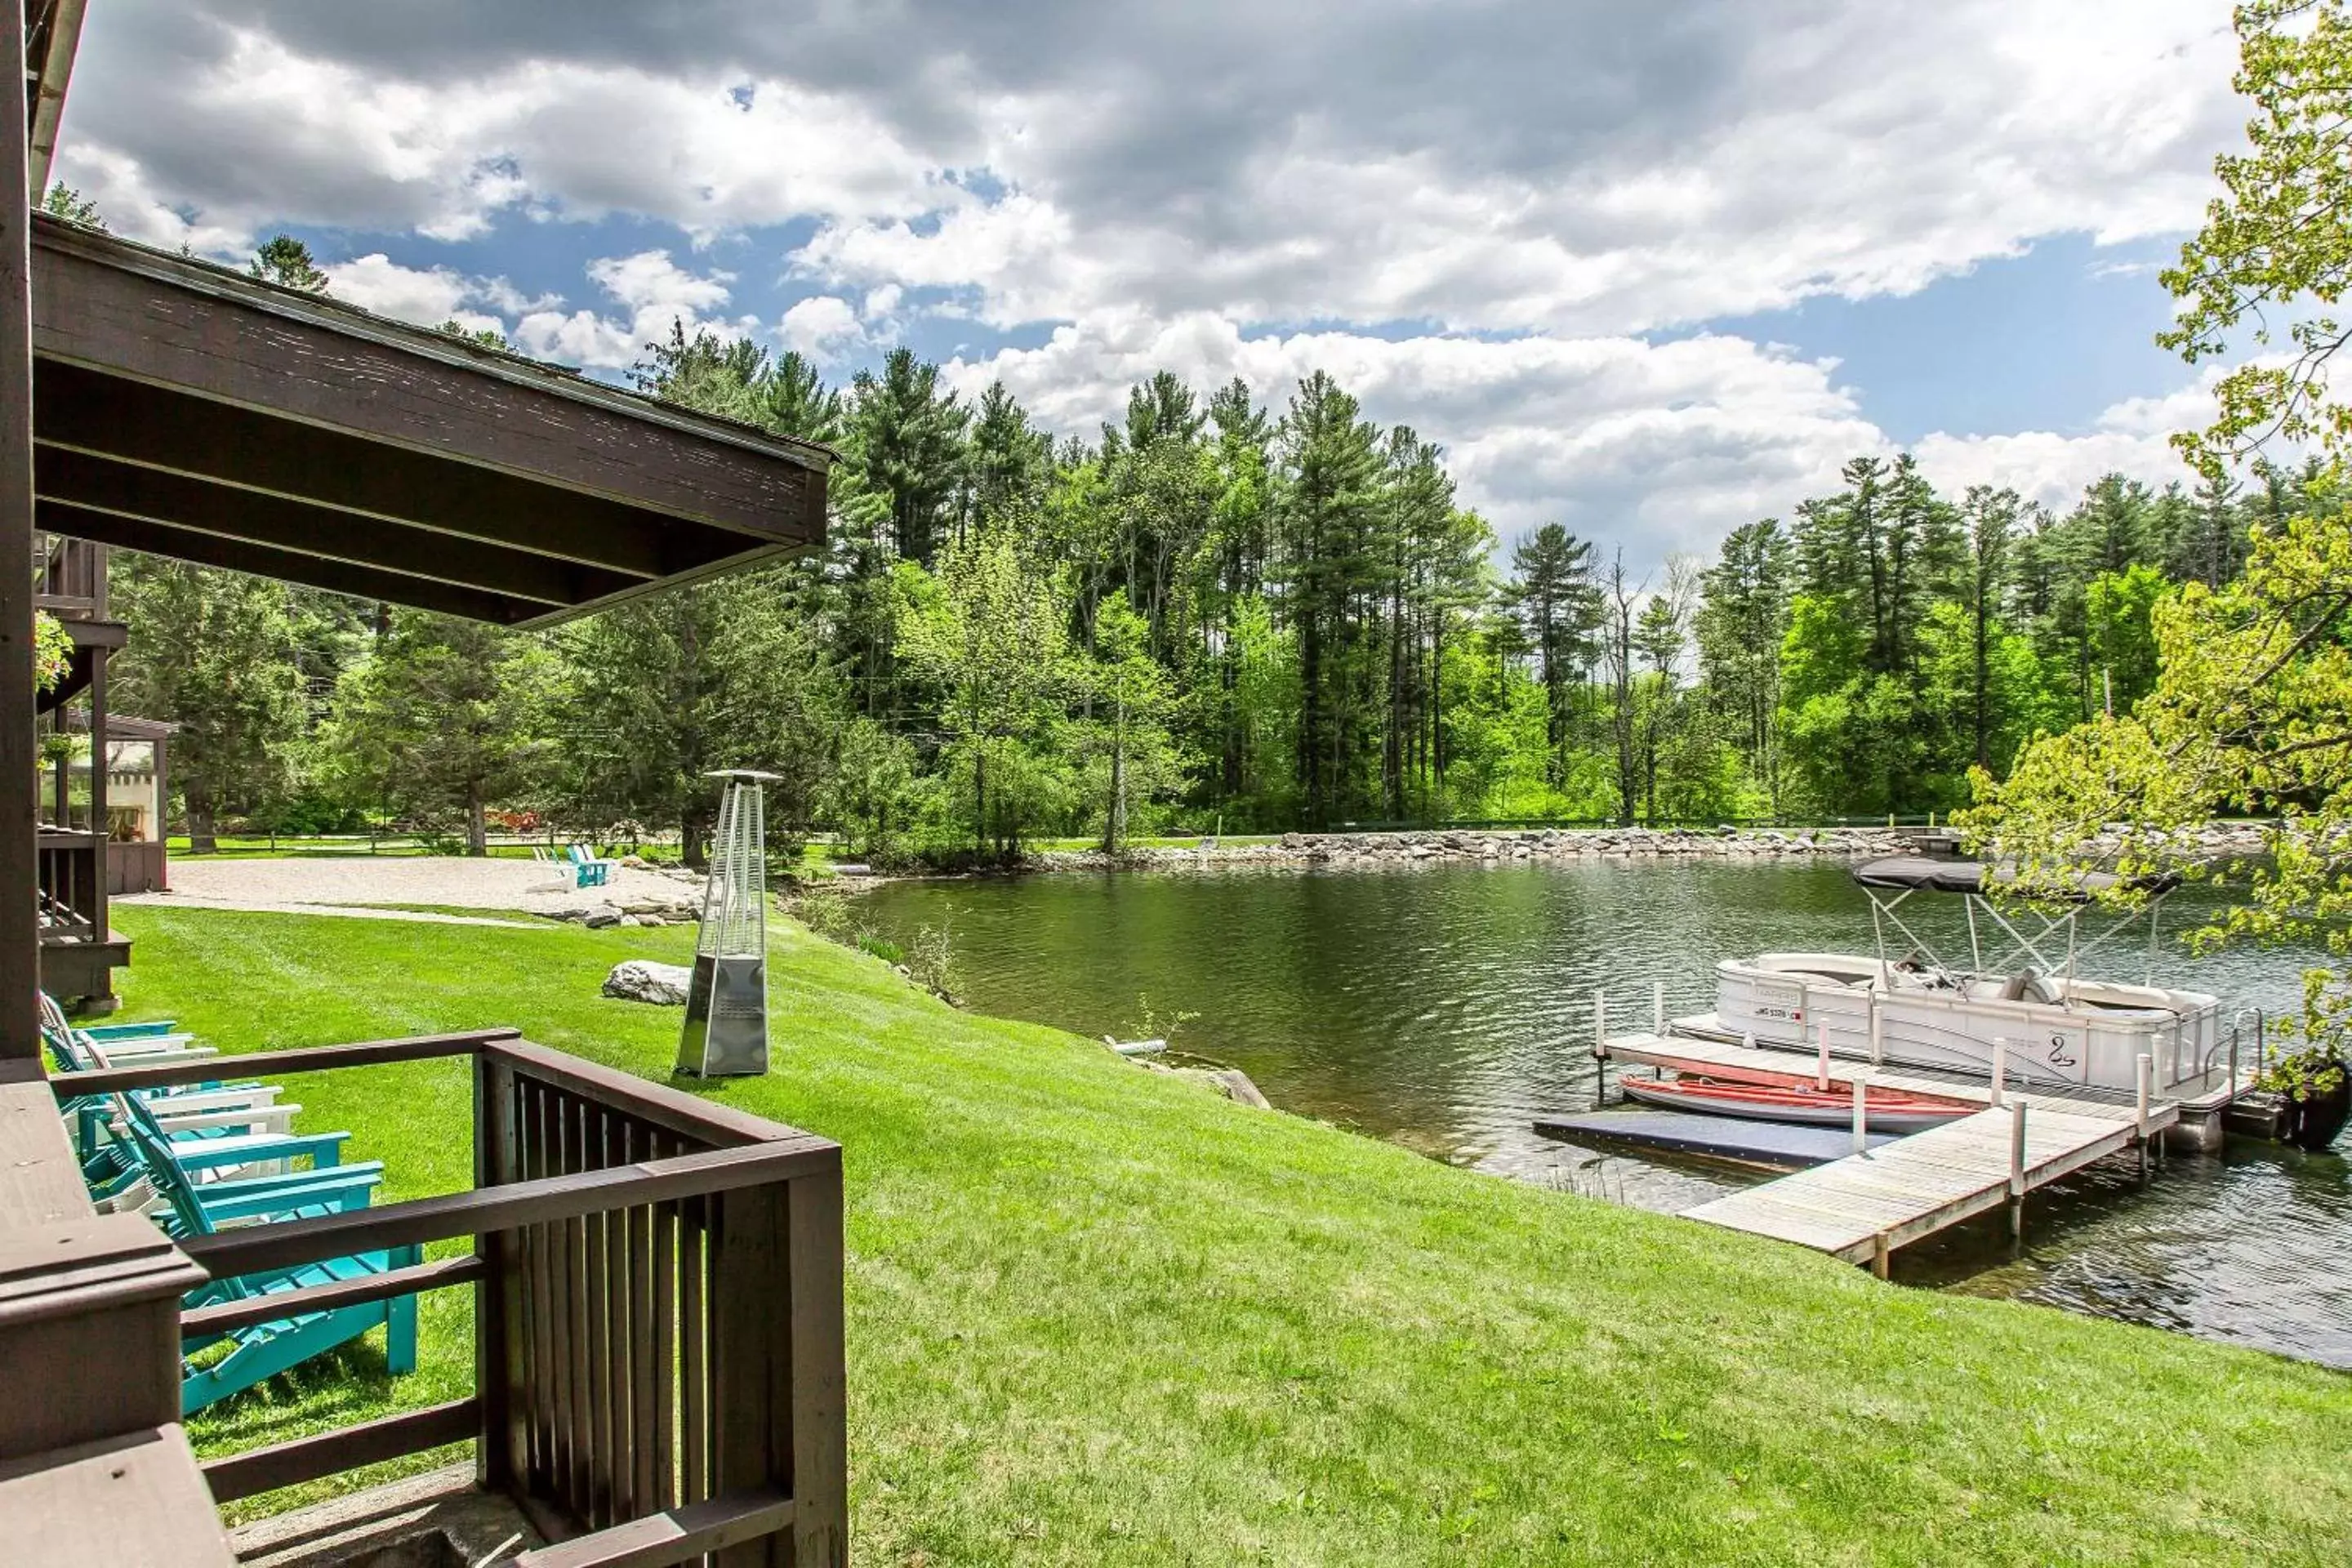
{"x":1443,"y":1008}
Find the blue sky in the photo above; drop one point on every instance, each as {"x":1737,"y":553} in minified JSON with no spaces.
{"x":1653,"y":273}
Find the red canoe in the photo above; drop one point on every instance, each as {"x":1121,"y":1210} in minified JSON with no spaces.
{"x":1885,"y":1109}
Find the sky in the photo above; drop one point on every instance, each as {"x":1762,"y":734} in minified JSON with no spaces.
{"x":1652,"y":271}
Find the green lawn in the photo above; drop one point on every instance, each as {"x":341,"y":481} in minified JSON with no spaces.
{"x":1099,"y":1315}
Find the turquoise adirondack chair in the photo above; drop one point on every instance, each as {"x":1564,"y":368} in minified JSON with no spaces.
{"x":240,"y":1116}
{"x":265,"y":1350}
{"x":592,"y":871}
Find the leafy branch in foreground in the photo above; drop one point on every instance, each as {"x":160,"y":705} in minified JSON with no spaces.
{"x":2252,"y":710}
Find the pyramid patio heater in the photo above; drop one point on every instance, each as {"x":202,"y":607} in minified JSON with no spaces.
{"x":726,"y":1033}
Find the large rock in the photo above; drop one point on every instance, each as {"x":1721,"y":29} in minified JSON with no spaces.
{"x":663,"y":984}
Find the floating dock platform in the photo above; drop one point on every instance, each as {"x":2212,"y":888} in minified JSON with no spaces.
{"x":1770,"y":1145}
{"x":1863,"y":1206}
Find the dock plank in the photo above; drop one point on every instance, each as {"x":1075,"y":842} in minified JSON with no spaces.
{"x":1912,"y":1186}
{"x":1916,"y":1186}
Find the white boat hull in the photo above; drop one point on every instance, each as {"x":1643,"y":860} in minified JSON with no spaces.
{"x":2079,"y":1033}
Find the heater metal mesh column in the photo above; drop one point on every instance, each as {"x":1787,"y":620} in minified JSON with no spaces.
{"x":726,"y":1033}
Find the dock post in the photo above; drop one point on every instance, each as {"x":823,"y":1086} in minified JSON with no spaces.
{"x":2000,"y":1070}
{"x":1600,"y":1046}
{"x":2017,"y":1170}
{"x":1882,"y":1256}
{"x":1821,"y":1065}
{"x":1860,"y":1119}
{"x":2145,"y":1092}
{"x":1658,"y":1008}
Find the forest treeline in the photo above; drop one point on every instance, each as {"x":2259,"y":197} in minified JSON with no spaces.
{"x":1219,"y":613}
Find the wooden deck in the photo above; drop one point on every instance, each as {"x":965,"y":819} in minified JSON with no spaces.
{"x":1863,"y":1208}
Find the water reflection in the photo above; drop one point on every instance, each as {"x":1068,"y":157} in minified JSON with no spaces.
{"x":1445,"y":1007}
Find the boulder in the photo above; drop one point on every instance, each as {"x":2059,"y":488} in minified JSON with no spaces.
{"x":664,"y":984}
{"x":597,"y":919}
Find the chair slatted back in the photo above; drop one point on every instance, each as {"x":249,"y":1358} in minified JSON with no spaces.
{"x":163,"y":1173}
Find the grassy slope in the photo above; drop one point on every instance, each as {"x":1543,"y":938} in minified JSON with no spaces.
{"x":1098,"y":1314}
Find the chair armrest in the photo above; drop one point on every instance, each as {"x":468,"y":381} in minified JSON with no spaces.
{"x":198,"y":1121}
{"x":254,"y":1197}
{"x":146,"y":1031}
{"x":146,"y":1053}
{"x":221,"y":1097}
{"x":325,"y":1150}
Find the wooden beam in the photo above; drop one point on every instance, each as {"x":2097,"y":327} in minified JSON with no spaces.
{"x":20,"y":1036}
{"x":204,"y":1322}
{"x":99,"y":484}
{"x":285,"y":565}
{"x":49,"y":58}
{"x":346,"y":1448}
{"x":172,"y":321}
{"x":278,"y":1063}
{"x":287,"y":1244}
{"x":157,"y":428}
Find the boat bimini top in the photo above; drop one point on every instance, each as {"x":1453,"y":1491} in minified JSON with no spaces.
{"x":1891,"y":880}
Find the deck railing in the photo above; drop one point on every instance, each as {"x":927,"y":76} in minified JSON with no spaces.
{"x":657,"y":1316}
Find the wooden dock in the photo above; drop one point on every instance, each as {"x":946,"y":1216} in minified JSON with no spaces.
{"x":1863,"y":1207}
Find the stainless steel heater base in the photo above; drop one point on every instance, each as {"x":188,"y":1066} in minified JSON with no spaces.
{"x":726,"y":1033}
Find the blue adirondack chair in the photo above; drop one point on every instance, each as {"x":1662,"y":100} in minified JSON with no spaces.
{"x":248,"y":1113}
{"x":265,"y":1350}
{"x":592,"y":871}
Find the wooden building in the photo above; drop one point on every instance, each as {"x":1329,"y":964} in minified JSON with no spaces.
{"x":656,"y":1280}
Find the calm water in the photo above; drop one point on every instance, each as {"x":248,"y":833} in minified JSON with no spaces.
{"x":1445,"y":1008}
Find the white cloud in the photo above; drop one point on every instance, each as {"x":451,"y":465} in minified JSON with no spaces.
{"x":2131,"y":437}
{"x":1466,"y":213}
{"x":1664,"y":447}
{"x":652,"y":290}
{"x":1513,"y":167}
{"x":376,"y":282}
{"x":825,"y":327}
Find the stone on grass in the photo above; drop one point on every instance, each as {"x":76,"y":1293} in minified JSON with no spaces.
{"x":598,"y":919}
{"x":663,"y":984}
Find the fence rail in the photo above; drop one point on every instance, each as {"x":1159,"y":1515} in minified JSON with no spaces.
{"x":657,"y":1309}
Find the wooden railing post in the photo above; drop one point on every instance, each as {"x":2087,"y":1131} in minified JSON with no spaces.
{"x":500,"y":1379}
{"x":750,"y":1355}
{"x":820,"y":1412}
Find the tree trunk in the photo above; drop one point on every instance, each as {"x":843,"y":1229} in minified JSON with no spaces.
{"x":980,"y":798}
{"x":1115,"y":818}
{"x":201,"y":837}
{"x":477,"y":831}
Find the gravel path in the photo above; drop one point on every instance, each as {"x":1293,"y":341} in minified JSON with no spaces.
{"x":318,"y":884}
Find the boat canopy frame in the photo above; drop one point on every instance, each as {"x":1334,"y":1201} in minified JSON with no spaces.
{"x":1889,"y":884}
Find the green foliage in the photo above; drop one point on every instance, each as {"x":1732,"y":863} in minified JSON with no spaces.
{"x":2247,"y":712}
{"x":215,"y":652}
{"x":63,"y":201}
{"x":442,"y":720}
{"x":286,"y":262}
{"x":52,"y":650}
{"x":2274,"y":246}
{"x":987,"y":633}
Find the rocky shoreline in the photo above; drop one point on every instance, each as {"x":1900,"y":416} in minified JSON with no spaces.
{"x":2219,"y":841}
{"x":1457,"y":847}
